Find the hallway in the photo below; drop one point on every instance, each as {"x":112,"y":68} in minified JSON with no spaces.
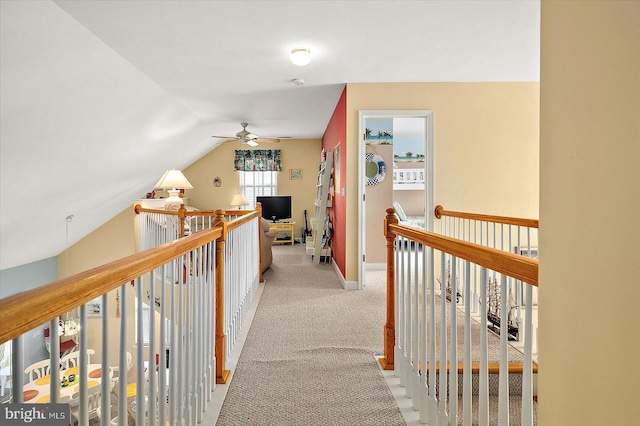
{"x":309,"y":356}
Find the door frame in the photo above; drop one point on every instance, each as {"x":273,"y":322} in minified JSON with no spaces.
{"x":429,"y":175}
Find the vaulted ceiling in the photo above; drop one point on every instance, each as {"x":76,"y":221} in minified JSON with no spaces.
{"x":99,"y":98}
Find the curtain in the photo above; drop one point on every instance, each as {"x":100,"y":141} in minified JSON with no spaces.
{"x":259,"y":160}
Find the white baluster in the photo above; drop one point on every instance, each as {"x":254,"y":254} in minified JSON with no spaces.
{"x":467,"y":389}
{"x":424,"y":392}
{"x":527,"y":374}
{"x":442,"y":390}
{"x":105,"y":391}
{"x":416,"y":339}
{"x":152,"y":350}
{"x":403,"y":323}
{"x":83,"y":363}
{"x":453,"y":357}
{"x":475,"y":269}
{"x":503,"y":397}
{"x":483,"y":393}
{"x":122,"y":361}
{"x":17,"y":364}
{"x":162,"y":362}
{"x":54,"y":360}
{"x":409,"y":321}
{"x":433,"y":401}
{"x":173,"y":337}
{"x":140,"y":403}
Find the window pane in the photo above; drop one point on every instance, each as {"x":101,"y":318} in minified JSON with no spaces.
{"x":253,"y":184}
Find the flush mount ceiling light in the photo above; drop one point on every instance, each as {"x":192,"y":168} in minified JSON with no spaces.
{"x":300,"y":56}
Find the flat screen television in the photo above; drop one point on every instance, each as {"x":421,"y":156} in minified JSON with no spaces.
{"x":275,"y":207}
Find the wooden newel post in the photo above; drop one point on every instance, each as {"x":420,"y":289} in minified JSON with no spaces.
{"x":259,"y":210}
{"x":182,"y":214}
{"x":222,"y":375}
{"x":390,"y":327}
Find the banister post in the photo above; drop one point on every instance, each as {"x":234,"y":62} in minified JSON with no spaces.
{"x":387,"y":361}
{"x":259,"y":210}
{"x":222,"y":375}
{"x":438,"y":211}
{"x":182,"y":214}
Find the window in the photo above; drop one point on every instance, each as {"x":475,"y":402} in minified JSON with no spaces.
{"x":253,"y":184}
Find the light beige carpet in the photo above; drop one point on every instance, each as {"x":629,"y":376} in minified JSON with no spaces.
{"x":309,"y":357}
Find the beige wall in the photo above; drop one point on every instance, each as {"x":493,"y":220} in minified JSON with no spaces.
{"x":589,"y":207}
{"x":112,"y":241}
{"x":296,"y":154}
{"x":486,"y":145}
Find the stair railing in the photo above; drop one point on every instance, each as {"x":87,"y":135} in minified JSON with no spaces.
{"x":517,"y":235}
{"x":425,"y":333}
{"x":188,"y":281}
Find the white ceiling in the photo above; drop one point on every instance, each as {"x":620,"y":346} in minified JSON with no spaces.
{"x":99,"y":98}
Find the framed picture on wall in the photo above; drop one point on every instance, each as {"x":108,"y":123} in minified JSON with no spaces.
{"x":295,"y":174}
{"x":94,"y":307}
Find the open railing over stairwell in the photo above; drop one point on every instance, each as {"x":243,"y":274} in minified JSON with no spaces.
{"x":430,"y":328}
{"x":201,"y":285}
{"x":158,"y":226}
{"x":517,"y":235}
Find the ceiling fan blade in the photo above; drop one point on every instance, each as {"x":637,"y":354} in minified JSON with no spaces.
{"x":267,"y":140}
{"x":224,"y":137}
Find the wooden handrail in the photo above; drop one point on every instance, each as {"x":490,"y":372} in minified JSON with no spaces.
{"x":236,"y":223}
{"x":25,"y":311}
{"x":518,"y":267}
{"x":531,"y":223}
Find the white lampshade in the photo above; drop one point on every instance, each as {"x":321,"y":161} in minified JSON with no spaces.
{"x":300,"y":56}
{"x":173,"y":181}
{"x":239,"y":200}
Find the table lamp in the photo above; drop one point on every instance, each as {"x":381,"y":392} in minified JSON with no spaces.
{"x":239,"y":201}
{"x":173,"y":181}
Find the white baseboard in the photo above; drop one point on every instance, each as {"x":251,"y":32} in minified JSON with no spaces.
{"x":375,"y":266}
{"x":347,"y":285}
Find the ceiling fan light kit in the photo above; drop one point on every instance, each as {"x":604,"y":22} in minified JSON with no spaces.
{"x":300,"y":56}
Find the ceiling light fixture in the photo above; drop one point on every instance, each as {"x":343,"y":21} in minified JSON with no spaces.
{"x":300,"y":56}
{"x":298,"y":81}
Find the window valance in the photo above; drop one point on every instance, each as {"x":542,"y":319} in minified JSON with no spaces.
{"x":257,"y":160}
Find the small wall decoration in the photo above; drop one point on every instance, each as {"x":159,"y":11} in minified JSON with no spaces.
{"x":375,"y":168}
{"x":295,"y":174}
{"x":217,"y":181}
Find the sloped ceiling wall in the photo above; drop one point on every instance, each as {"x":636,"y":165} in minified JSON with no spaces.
{"x":83,"y":132}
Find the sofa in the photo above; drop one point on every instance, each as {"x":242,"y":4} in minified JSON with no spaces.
{"x":267,"y":235}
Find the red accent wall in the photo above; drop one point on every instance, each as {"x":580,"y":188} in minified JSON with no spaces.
{"x":334,"y":135}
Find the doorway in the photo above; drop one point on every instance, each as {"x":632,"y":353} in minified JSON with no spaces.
{"x":395,"y":163}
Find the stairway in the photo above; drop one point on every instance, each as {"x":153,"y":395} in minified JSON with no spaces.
{"x":514,"y":379}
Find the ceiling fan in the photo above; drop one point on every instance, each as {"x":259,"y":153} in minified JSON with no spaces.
{"x":249,"y":138}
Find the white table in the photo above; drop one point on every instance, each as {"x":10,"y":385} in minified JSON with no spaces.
{"x":37,"y":391}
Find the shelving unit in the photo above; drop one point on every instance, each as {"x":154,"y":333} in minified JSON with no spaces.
{"x":319,"y":245}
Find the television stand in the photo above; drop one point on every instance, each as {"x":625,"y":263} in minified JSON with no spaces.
{"x":286,"y":231}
